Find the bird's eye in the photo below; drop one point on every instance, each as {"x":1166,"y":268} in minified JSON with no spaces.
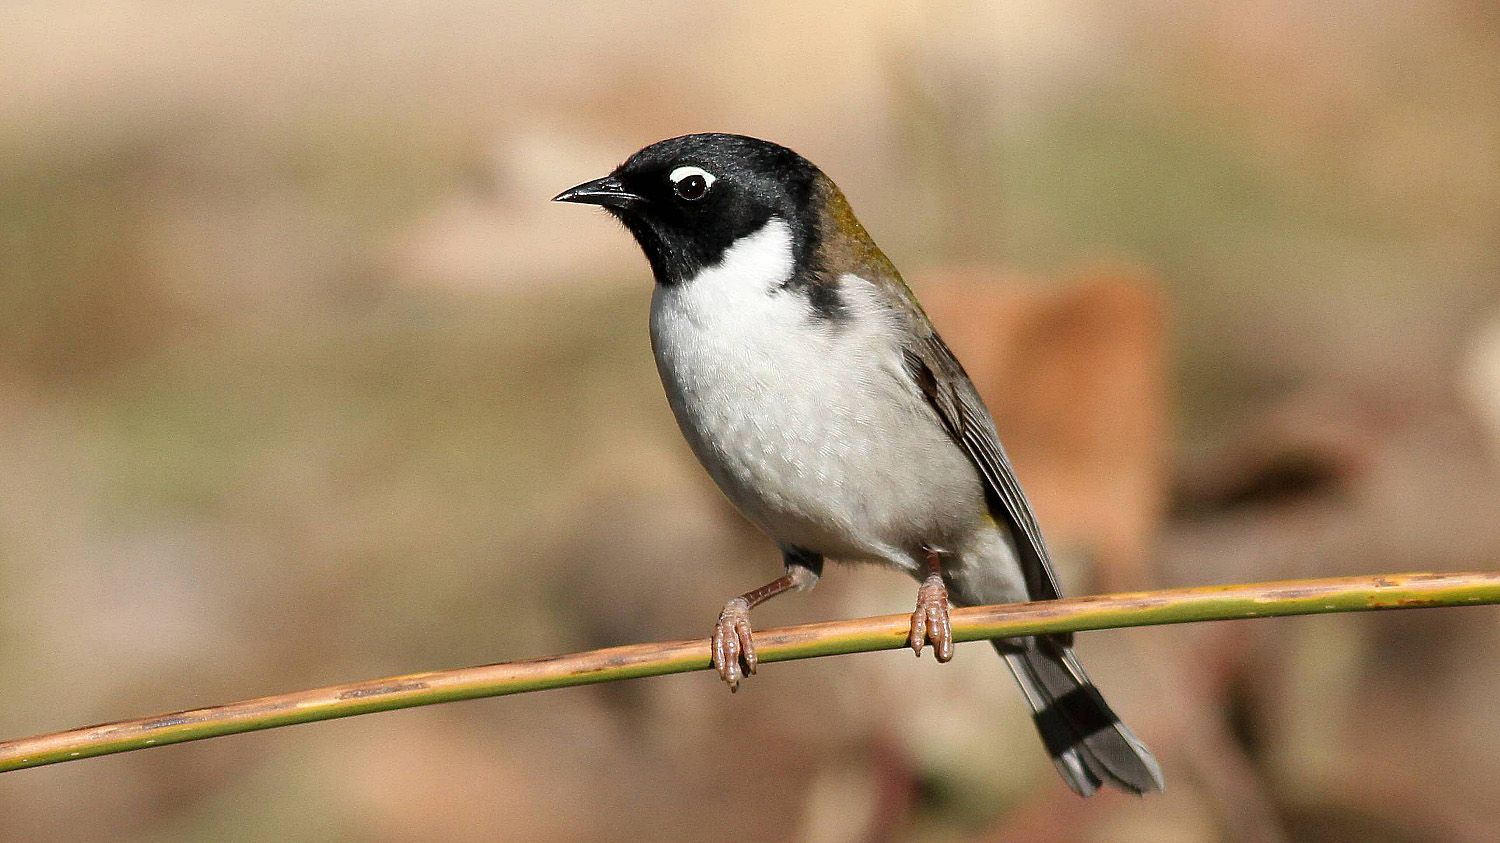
{"x":691,"y":183}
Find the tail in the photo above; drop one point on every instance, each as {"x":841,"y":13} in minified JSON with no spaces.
{"x":1087,"y":742}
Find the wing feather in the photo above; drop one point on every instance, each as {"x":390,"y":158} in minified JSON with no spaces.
{"x":950,"y":392}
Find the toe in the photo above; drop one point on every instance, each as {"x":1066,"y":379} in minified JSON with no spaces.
{"x":942,"y":638}
{"x":731,"y":672}
{"x":746,"y":646}
{"x":731,"y":655}
{"x":717,"y":652}
{"x":934,"y":627}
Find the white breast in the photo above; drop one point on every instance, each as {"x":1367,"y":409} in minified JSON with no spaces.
{"x":808,"y":425}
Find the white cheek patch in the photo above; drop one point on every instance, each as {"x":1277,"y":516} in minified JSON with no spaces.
{"x":681,"y":173}
{"x":752,"y":266}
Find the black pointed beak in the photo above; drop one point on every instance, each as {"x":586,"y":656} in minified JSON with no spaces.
{"x":607,"y":192}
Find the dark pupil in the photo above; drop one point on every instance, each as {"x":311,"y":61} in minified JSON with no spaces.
{"x":692,"y":187}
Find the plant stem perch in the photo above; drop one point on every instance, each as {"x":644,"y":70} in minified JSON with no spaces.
{"x":888,"y":632}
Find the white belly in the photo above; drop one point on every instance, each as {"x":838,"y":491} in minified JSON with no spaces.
{"x":811,"y":427}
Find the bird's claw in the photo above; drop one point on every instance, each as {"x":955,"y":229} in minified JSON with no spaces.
{"x":930,"y":621}
{"x":733,"y":649}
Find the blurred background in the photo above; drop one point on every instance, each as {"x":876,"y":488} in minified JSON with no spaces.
{"x":303,"y":380}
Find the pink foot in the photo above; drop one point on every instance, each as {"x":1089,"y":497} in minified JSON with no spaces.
{"x":930,"y":621}
{"x":733,"y":649}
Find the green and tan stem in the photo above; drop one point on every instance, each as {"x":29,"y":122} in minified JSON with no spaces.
{"x":888,"y":632}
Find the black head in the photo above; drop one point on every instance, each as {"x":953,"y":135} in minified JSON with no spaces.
{"x":687,"y":199}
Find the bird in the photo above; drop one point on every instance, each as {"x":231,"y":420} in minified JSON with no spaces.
{"x":815,"y":391}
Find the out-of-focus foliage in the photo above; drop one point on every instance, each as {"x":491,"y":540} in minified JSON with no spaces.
{"x":302,"y":380}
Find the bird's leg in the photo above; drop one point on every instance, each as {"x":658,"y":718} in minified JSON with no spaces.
{"x":733,"y":649}
{"x":930,"y":621}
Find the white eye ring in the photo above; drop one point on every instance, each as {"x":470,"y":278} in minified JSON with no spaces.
{"x":681,"y":173}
